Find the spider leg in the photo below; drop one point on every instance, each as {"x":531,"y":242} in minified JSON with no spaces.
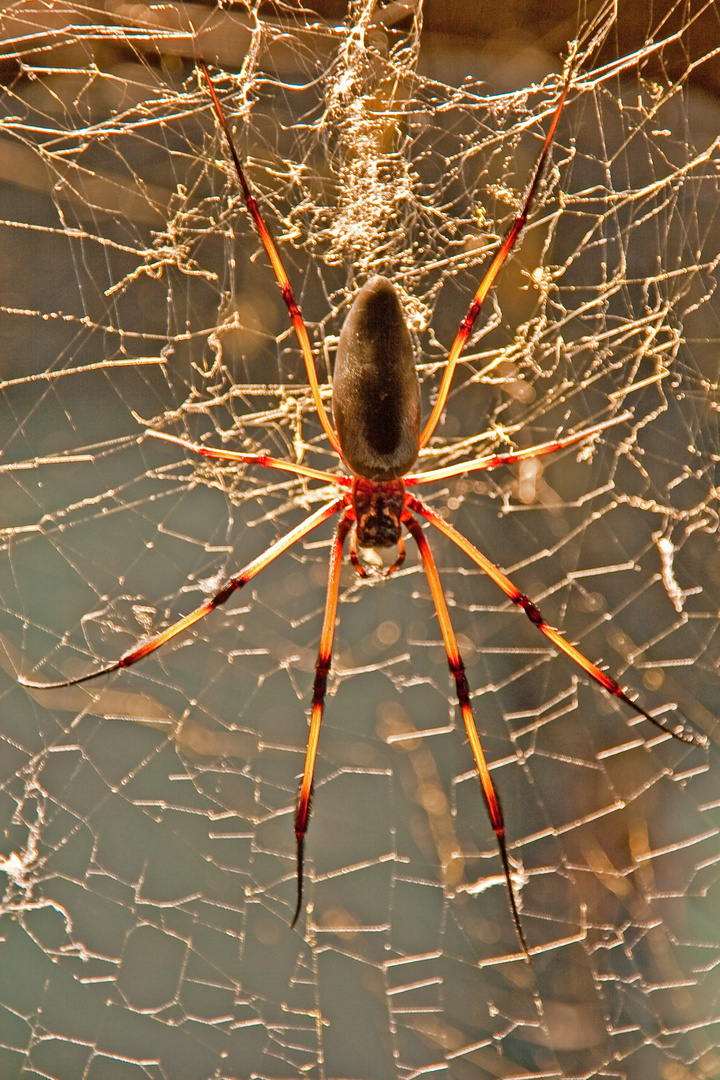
{"x":322,"y":668}
{"x":492,"y":271}
{"x":537,"y":620}
{"x":354,"y":558}
{"x":254,"y":459}
{"x":360,"y":569}
{"x":494,"y":461}
{"x":276,"y":262}
{"x":400,"y":557}
{"x":226,"y":590}
{"x":457,"y":670}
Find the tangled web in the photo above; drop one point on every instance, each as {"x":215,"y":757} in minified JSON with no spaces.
{"x":148,"y":852}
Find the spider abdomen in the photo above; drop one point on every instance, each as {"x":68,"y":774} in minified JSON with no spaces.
{"x":376,"y":394}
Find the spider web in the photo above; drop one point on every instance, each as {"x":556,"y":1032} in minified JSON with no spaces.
{"x":148,"y":850}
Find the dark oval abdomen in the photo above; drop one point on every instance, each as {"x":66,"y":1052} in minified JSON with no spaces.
{"x":376,"y":394}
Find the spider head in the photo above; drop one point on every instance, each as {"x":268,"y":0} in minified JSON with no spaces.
{"x":378,"y":505}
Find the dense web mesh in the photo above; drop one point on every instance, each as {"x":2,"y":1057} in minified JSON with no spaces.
{"x":147,"y":819}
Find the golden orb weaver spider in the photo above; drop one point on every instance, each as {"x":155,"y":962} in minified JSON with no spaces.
{"x":377,"y":434}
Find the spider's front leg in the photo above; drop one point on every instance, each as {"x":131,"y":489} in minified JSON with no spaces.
{"x":457,"y":670}
{"x":322,"y":668}
{"x":237,"y":581}
{"x":536,"y":618}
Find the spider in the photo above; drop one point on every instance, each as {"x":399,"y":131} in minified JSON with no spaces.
{"x":377,"y":435}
